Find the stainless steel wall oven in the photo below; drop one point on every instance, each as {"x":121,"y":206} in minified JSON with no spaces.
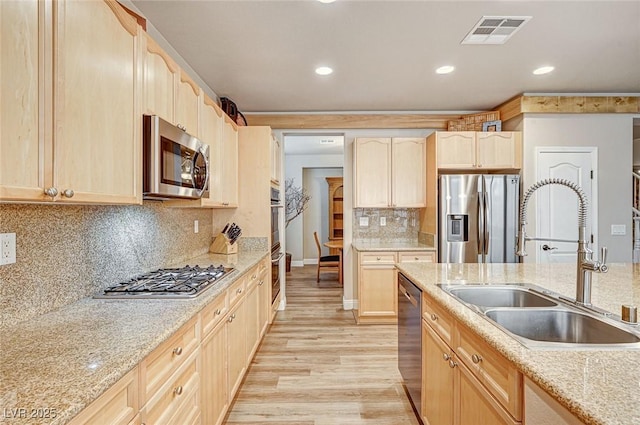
{"x":276,"y":251}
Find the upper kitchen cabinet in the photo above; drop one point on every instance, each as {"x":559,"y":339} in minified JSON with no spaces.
{"x":24,"y":90}
{"x":478,"y":150}
{"x":161,"y":75}
{"x":82,"y":58}
{"x":188,"y":99}
{"x":276,"y":160}
{"x":227,"y":165}
{"x":390,"y":173}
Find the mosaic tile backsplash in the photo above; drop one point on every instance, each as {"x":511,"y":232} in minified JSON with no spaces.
{"x":65,"y":252}
{"x":402,"y":224}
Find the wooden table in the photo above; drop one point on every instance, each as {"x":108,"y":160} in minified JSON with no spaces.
{"x":337,"y":244}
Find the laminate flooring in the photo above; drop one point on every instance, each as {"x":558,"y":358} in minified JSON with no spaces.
{"x":315,"y":366}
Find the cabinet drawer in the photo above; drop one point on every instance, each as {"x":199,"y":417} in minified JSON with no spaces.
{"x":438,"y":319}
{"x":213,"y":313}
{"x":368,"y":258}
{"x":117,"y":406}
{"x":236,"y":290}
{"x":168,"y":357}
{"x":180,"y":390}
{"x":497,"y":374}
{"x":410,"y":257}
{"x":252,"y":277}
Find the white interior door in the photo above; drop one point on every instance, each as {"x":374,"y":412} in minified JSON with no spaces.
{"x":557,"y":206}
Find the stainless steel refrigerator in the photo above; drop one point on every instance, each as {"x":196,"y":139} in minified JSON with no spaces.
{"x":478,"y":218}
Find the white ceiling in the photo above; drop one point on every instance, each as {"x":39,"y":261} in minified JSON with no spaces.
{"x":262,"y":54}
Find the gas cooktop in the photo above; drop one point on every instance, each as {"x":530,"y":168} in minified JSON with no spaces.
{"x":184,"y":282}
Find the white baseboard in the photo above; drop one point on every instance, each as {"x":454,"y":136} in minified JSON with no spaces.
{"x":349,"y":304}
{"x":311,"y":261}
{"x":297,"y":263}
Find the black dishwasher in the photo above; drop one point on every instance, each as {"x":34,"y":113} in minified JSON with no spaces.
{"x":410,"y":339}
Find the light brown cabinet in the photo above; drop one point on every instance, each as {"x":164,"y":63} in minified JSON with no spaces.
{"x":390,"y":172}
{"x":276,"y":160}
{"x":377,"y":279}
{"x":471,"y":383}
{"x":478,"y":150}
{"x":188,"y":105}
{"x":160,"y":80}
{"x":226,"y":166}
{"x":95,"y":137}
{"x":336,"y":202}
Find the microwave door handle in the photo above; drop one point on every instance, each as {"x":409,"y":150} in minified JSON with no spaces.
{"x":206,"y":173}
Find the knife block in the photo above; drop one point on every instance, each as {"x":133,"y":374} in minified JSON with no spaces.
{"x":221,"y":245}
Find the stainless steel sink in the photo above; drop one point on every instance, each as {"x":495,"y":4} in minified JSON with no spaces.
{"x":539,"y":318}
{"x":560,"y":325}
{"x":500,"y":296}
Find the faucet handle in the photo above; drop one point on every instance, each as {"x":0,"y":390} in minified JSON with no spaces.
{"x":603,"y":260}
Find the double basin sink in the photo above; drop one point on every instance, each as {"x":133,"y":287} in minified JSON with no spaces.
{"x":539,"y":318}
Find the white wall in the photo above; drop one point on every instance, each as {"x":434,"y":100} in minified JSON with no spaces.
{"x":316,"y":216}
{"x":612,"y":134}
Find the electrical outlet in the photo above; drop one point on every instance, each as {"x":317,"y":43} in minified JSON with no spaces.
{"x":383,"y":221}
{"x":7,"y":248}
{"x":618,"y":229}
{"x":195,"y":226}
{"x":364,"y":221}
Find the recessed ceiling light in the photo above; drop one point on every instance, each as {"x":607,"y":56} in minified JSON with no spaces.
{"x":543,"y":70}
{"x":326,"y":1}
{"x":324,"y":70}
{"x":447,"y":69}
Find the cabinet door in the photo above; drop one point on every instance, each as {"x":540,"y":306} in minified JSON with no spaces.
{"x":264,"y":301}
{"x":97,"y":146}
{"x":378,"y":292}
{"x":475,"y":404}
{"x":160,"y":81}
{"x":252,"y":318}
{"x":214,"y":387}
{"x":499,"y":149}
{"x":23,"y":152}
{"x":408,"y":172}
{"x":372,"y":163}
{"x":236,"y":348}
{"x":229,"y":183}
{"x":211,"y":133}
{"x":276,"y":160}
{"x":456,"y":149}
{"x":437,"y":379}
{"x":187,"y":103}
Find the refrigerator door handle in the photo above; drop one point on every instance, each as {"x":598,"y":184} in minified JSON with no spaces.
{"x":480,"y":224}
{"x":487,"y":225}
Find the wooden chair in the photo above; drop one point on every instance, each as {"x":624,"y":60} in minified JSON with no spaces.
{"x":327,"y":261}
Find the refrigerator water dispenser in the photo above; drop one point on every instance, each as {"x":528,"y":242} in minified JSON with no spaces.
{"x":457,"y":227}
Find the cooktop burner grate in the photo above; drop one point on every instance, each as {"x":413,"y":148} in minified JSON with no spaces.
{"x":184,"y":282}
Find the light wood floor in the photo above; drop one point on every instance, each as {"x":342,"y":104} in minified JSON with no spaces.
{"x":317,"y":367}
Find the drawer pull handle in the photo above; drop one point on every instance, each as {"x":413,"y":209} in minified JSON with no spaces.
{"x":177,"y":390}
{"x":378,"y":258}
{"x":218,"y":311}
{"x":177,"y":351}
{"x":415,"y":258}
{"x":261,"y":283}
{"x":476,"y":358}
{"x":239,"y":291}
{"x":452,"y":364}
{"x":233,"y":316}
{"x":446,"y":357}
{"x":254,"y":276}
{"x":434,"y":317}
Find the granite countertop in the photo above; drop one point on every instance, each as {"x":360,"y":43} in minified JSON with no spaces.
{"x":386,"y":245}
{"x":65,"y":359}
{"x":598,"y":386}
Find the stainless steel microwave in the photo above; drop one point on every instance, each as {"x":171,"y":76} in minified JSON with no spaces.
{"x":176,"y":164}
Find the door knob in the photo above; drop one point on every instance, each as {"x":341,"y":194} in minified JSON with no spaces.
{"x":546,"y":247}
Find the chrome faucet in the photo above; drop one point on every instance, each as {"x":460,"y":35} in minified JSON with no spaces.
{"x":585,"y":264}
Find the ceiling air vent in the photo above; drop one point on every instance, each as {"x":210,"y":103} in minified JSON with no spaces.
{"x":495,"y":29}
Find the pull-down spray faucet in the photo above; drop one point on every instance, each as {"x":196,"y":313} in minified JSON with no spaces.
{"x":585,"y":264}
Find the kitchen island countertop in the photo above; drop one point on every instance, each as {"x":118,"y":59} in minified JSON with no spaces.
{"x":597,"y":386}
{"x":65,"y":359}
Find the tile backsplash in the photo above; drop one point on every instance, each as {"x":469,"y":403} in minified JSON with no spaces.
{"x":402,"y":224}
{"x":65,"y":252}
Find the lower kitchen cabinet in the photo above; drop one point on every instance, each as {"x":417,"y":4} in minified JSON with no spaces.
{"x":377,"y":279}
{"x":469,"y":384}
{"x":192,"y":377}
{"x":215,"y":395}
